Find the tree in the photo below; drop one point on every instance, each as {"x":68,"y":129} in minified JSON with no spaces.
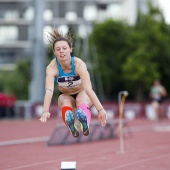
{"x":150,"y":54}
{"x":17,"y":82}
{"x":111,"y":39}
{"x":131,"y":57}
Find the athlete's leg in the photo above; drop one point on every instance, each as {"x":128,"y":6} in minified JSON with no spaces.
{"x":66,"y":103}
{"x":155,"y":106}
{"x":83,"y":113}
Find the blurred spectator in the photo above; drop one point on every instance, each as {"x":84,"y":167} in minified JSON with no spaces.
{"x":7,"y":103}
{"x":3,"y":99}
{"x":10,"y":103}
{"x":157,"y":93}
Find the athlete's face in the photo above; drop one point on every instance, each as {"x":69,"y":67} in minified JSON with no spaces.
{"x":62,"y":50}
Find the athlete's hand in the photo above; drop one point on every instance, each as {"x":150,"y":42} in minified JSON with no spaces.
{"x":102,"y":117}
{"x":44,"y":117}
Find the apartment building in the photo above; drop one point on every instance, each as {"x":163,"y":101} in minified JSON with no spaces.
{"x":16,"y":21}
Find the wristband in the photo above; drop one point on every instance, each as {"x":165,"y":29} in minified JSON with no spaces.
{"x":49,"y":90}
{"x":100,"y":109}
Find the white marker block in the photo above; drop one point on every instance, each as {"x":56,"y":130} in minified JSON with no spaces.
{"x":68,"y":165}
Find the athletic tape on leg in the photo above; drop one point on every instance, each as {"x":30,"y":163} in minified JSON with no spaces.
{"x":86,"y":110}
{"x":68,"y":119}
{"x":63,"y":111}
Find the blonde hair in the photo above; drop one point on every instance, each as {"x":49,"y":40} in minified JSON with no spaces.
{"x":57,"y":35}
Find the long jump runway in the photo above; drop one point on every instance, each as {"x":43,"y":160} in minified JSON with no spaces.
{"x":23,"y":146}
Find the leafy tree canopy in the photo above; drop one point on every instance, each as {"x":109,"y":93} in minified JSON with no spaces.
{"x":131,"y":57}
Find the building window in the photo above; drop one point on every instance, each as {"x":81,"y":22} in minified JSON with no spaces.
{"x":29,"y":13}
{"x":48,"y":15}
{"x":71,"y":16}
{"x":8,"y":33}
{"x":115,"y":11}
{"x":90,"y":12}
{"x":11,"y":14}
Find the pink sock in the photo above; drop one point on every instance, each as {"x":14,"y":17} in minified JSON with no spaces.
{"x":86,"y":110}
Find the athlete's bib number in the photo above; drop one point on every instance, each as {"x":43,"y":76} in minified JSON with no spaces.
{"x":70,"y":83}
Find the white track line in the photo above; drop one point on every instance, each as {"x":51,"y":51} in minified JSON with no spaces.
{"x":162,"y":128}
{"x":51,"y":161}
{"x":137,"y":162}
{"x":40,"y":163}
{"x":85,"y":155}
{"x":24,"y":141}
{"x":56,"y":160}
{"x":145,"y":127}
{"x":46,"y":138}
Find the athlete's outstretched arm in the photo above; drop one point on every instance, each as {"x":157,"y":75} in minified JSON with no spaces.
{"x":87,"y":86}
{"x":49,"y":88}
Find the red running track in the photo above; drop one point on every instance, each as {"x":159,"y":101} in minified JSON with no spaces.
{"x":146,"y":146}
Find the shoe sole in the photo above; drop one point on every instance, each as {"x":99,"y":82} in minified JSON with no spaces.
{"x":70,"y":124}
{"x":82,"y":118}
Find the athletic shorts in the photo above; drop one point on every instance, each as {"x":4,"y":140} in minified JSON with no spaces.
{"x":73,"y":95}
{"x":158,"y":100}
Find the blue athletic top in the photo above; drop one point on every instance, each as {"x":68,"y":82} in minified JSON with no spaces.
{"x":61,"y":72}
{"x":67,"y":80}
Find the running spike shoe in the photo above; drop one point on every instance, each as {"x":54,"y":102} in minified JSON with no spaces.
{"x":70,"y":122}
{"x":82,"y":118}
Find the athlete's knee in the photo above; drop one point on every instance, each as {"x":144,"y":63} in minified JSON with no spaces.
{"x":62,"y":101}
{"x":79,"y":100}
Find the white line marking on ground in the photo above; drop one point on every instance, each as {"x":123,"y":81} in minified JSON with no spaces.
{"x":46,"y":138}
{"x":51,"y":161}
{"x":162,"y":128}
{"x":39,"y":163}
{"x":143,"y":127}
{"x":85,"y":155}
{"x":23,"y":141}
{"x":137,"y":162}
